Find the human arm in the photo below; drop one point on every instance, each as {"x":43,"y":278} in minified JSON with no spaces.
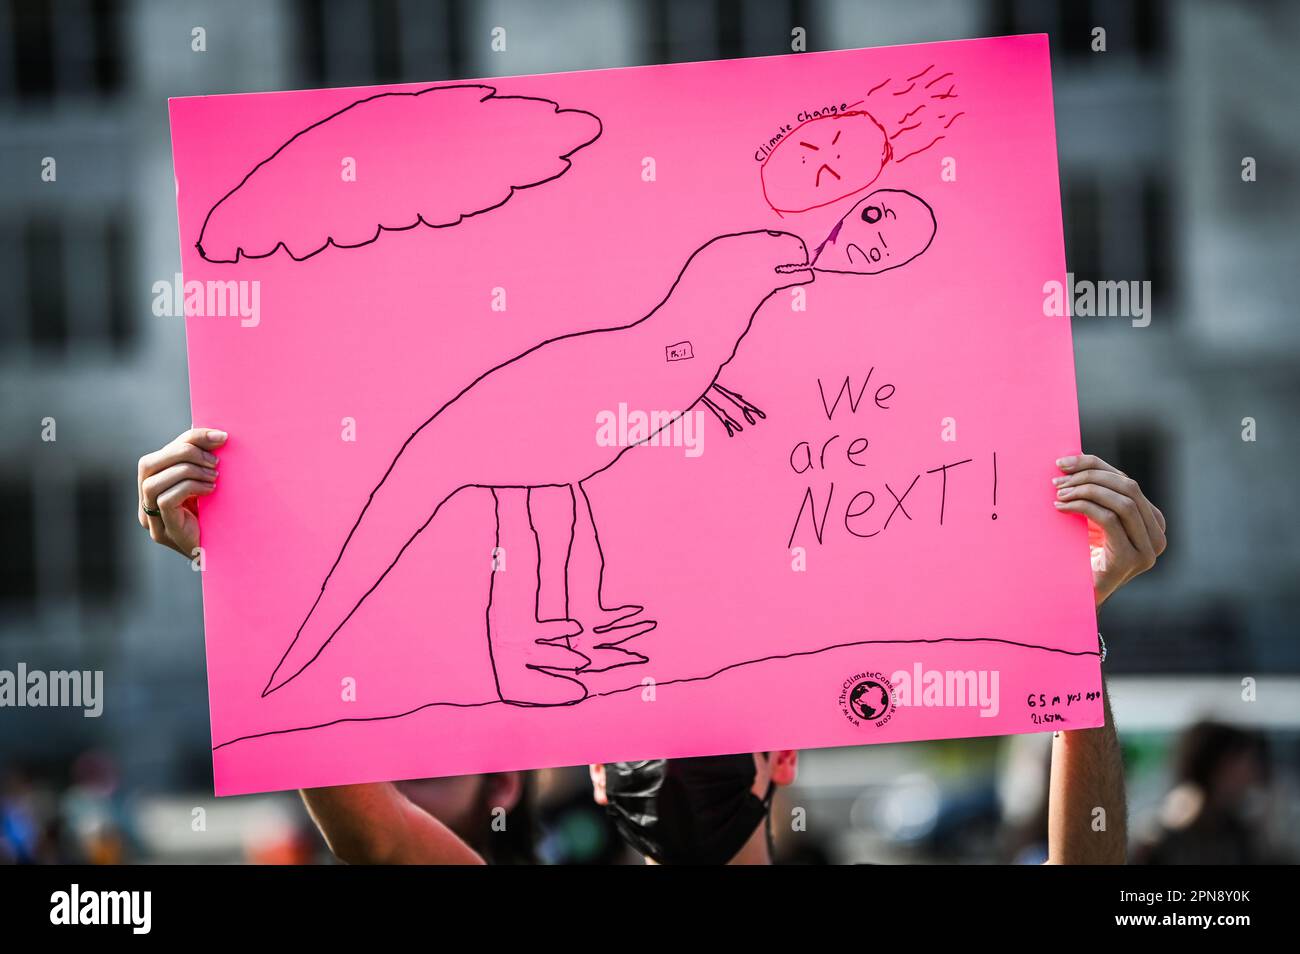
{"x":371,"y":823}
{"x":375,"y":823}
{"x":1087,"y":812}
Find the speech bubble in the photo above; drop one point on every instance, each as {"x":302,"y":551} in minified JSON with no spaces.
{"x":886,"y":229}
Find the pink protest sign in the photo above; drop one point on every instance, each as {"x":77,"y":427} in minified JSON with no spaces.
{"x":640,"y":413}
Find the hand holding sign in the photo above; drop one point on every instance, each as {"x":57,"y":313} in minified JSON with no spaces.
{"x":645,"y":283}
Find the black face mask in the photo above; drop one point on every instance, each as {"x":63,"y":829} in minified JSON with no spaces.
{"x":686,"y":811}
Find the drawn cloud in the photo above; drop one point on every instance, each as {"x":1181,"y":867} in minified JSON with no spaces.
{"x":391,"y":162}
{"x":823,"y":160}
{"x":835,"y":155}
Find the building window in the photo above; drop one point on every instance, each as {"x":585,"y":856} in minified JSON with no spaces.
{"x":17,"y":546}
{"x":1081,"y":215}
{"x":1133,"y":27}
{"x":60,"y":48}
{"x":98,"y":565}
{"x":11,"y":310}
{"x":686,"y":30}
{"x":1157,"y":239}
{"x":68,"y":280}
{"x":730,"y":20}
{"x":80,"y":557}
{"x":1149,"y":31}
{"x":47,"y":311}
{"x":31,"y":42}
{"x":344,"y":43}
{"x":1118,"y":228}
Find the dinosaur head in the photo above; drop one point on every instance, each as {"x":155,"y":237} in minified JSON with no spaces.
{"x":725,"y":283}
{"x":761,"y":262}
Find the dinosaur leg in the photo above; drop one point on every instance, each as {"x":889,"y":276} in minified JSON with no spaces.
{"x":529,"y":656}
{"x":751,"y":413}
{"x":551,"y":517}
{"x":609,"y":628}
{"x":730,"y":423}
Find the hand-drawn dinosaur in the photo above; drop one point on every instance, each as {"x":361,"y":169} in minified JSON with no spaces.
{"x":528,"y":424}
{"x":512,"y":431}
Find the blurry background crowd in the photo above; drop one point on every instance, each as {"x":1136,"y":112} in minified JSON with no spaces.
{"x":1152,"y":137}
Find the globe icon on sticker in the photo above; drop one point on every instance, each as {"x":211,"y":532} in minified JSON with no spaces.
{"x":869,"y":700}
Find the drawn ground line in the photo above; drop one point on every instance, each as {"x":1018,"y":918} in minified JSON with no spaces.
{"x":668,"y":682}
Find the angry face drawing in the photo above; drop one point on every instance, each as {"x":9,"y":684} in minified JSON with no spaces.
{"x":825,"y":160}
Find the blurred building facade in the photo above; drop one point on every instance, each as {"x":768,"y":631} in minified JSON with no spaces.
{"x":1153,"y":133}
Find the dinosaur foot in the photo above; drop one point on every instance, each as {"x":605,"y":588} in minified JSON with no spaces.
{"x":604,"y":657}
{"x":532,"y":686}
{"x":538,"y":671}
{"x":751,"y":413}
{"x":602,"y":621}
{"x":611,"y":630}
{"x":717,"y":394}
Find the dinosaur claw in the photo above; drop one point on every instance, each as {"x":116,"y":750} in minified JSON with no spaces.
{"x":750,"y":412}
{"x":611,"y":657}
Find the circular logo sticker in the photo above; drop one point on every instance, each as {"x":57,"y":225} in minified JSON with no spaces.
{"x":867,"y":698}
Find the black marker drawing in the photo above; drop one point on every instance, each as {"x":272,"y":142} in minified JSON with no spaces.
{"x":383,"y":135}
{"x":524,"y":427}
{"x":681,"y":680}
{"x":712,"y":302}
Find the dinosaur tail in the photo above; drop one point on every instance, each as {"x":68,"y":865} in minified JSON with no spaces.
{"x":404,"y":503}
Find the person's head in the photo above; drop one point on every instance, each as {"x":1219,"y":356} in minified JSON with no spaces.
{"x":709,"y":810}
{"x":491,"y":813}
{"x":1223,"y":762}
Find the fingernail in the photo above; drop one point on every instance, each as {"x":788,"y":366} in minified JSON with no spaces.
{"x":1065,"y":462}
{"x":1059,"y":480}
{"x":217,"y":436}
{"x":1065,"y":492}
{"x":1058,"y":503}
{"x":209,"y":459}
